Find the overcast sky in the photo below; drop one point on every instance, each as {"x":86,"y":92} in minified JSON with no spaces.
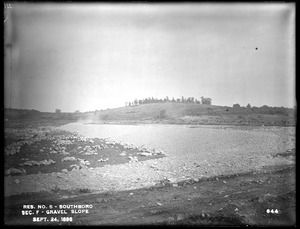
{"x":97,"y":56}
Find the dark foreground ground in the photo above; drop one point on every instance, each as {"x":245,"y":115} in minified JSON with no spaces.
{"x":241,"y":199}
{"x":265,"y":197}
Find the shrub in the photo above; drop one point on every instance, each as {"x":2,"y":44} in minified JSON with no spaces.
{"x":163,"y":114}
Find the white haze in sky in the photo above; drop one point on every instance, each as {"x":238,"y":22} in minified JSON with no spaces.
{"x":97,"y":56}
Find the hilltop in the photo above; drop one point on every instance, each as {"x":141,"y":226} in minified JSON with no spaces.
{"x":172,"y":113}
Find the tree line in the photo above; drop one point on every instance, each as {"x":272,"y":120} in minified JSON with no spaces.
{"x":190,"y":100}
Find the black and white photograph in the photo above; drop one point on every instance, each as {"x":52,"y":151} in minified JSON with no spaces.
{"x":140,"y":113}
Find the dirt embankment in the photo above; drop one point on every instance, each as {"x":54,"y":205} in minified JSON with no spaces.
{"x":261,"y":198}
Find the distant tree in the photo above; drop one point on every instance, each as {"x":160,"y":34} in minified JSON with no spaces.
{"x":173,"y":100}
{"x":236,"y":105}
{"x":209,"y":101}
{"x":190,"y":100}
{"x":178,"y":100}
{"x":77,"y":112}
{"x":135,"y":102}
{"x":248,"y":106}
{"x":57,"y":111}
{"x":206,"y":101}
{"x":182,"y":99}
{"x":197,"y":101}
{"x":129,"y":104}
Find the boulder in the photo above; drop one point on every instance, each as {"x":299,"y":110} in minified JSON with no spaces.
{"x":145,"y":154}
{"x":69,"y":159}
{"x":84,"y":162}
{"x":103,"y":160}
{"x":47,"y":162}
{"x":132,"y":159}
{"x":124,"y":153}
{"x":14,"y":171}
{"x":31,"y":163}
{"x":172,"y":180}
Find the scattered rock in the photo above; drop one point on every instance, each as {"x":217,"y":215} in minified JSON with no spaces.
{"x":64,"y":170}
{"x":145,"y":154}
{"x":124,"y":153}
{"x":69,"y":159}
{"x":90,"y":153}
{"x":159,"y":204}
{"x":103,"y":160}
{"x":172,"y":180}
{"x":132,"y":159}
{"x":14,"y":171}
{"x":65,"y":153}
{"x":17,"y":181}
{"x":75,"y":167}
{"x":31,"y":163}
{"x":83,"y":161}
{"x":47,"y":162}
{"x":196,"y":180}
{"x":43,"y":162}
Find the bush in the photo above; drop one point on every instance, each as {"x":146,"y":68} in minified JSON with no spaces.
{"x":163,"y":114}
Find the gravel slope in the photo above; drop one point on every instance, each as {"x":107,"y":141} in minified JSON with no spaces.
{"x":192,"y":152}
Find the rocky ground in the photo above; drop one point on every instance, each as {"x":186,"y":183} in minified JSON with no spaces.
{"x":54,"y":166}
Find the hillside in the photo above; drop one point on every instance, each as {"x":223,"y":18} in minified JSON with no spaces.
{"x":178,"y":113}
{"x":173,"y":113}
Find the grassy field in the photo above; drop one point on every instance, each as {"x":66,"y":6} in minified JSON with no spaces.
{"x":172,"y":113}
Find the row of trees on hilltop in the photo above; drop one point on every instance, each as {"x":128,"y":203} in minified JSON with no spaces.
{"x":190,"y":100}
